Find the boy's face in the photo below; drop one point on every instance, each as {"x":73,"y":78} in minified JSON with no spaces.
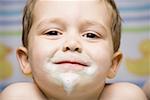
{"x":70,"y":47}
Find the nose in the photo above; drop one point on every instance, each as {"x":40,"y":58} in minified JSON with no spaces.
{"x":72,"y":46}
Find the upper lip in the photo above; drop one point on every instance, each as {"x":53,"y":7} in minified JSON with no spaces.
{"x":71,"y":58}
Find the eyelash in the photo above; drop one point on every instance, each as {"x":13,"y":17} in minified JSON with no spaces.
{"x":87,"y":34}
{"x":53,"y":32}
{"x":92,"y":35}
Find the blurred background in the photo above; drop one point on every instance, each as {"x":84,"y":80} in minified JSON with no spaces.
{"x":135,"y":43}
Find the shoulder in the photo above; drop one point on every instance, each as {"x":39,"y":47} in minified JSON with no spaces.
{"x":146,"y":89}
{"x":22,"y":91}
{"x":123,"y":91}
{"x":18,"y":88}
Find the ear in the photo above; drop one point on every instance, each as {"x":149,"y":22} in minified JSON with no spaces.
{"x":22,"y":56}
{"x":115,"y":65}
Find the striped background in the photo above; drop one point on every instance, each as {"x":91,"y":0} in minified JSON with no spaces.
{"x":136,"y":27}
{"x":135,"y":13}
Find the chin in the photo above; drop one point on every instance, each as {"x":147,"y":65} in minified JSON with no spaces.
{"x":69,"y":84}
{"x":58,"y":82}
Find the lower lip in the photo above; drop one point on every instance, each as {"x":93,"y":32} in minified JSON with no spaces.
{"x":68,"y":67}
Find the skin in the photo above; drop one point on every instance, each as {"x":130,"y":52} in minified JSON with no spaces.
{"x":78,"y":32}
{"x":116,"y":91}
{"x":73,"y":43}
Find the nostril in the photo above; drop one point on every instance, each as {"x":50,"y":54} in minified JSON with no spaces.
{"x":67,"y":48}
{"x":76,"y":49}
{"x":72,"y":46}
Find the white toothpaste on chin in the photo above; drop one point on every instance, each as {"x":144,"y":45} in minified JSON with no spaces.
{"x":69,"y":81}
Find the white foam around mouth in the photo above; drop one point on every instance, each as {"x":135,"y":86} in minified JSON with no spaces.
{"x":70,"y":79}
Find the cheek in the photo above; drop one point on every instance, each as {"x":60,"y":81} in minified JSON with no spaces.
{"x":101,"y":55}
{"x":40,"y":51}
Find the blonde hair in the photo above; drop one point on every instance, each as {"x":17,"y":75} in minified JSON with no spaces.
{"x":115,"y":27}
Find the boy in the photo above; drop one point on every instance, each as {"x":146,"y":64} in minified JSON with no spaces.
{"x":71,"y":47}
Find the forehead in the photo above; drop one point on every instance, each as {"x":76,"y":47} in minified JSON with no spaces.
{"x":95,"y":10}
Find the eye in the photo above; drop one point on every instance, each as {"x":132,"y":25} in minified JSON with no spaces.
{"x":91,"y":35}
{"x":53,"y":33}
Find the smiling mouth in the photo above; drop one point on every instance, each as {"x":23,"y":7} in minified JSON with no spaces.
{"x":71,"y":65}
{"x":71,"y":62}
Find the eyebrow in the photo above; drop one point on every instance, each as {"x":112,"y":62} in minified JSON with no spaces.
{"x":56,"y":21}
{"x":83,"y":24}
{"x":88,"y":23}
